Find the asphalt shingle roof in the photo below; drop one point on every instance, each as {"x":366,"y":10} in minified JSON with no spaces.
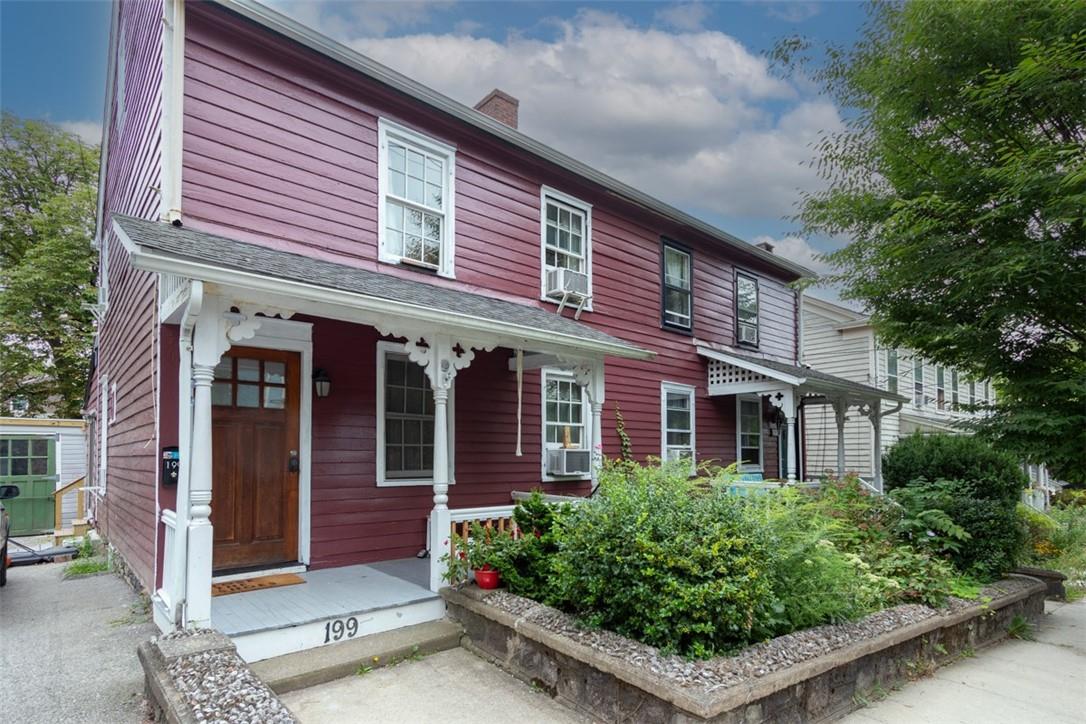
{"x":814,"y":375}
{"x":228,"y":253}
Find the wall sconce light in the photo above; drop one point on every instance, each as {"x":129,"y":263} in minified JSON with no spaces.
{"x":322,"y":383}
{"x":776,"y":420}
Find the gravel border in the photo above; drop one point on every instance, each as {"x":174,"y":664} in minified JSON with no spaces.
{"x":753,"y":662}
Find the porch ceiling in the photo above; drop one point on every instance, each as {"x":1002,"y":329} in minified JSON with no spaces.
{"x":758,"y":372}
{"x":168,"y":249}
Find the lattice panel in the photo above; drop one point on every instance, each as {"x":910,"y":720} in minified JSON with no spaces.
{"x":722,"y":373}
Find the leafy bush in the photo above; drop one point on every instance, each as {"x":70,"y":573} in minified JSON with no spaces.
{"x":989,"y":474}
{"x":665,"y":561}
{"x":1068,"y":537}
{"x":1040,"y":529}
{"x":925,"y":523}
{"x":529,"y":565}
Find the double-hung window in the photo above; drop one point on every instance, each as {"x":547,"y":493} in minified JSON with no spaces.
{"x":564,"y":418}
{"x":918,"y":382}
{"x":566,"y":225}
{"x":891,"y":370}
{"x":405,"y":420}
{"x":954,"y":390}
{"x":750,"y":433}
{"x":416,"y":210}
{"x":746,"y":310}
{"x":677,"y":422}
{"x":940,"y":388}
{"x":678,"y":286}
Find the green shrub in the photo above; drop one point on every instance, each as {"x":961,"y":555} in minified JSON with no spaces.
{"x":665,"y":561}
{"x":989,"y":474}
{"x":925,"y":523}
{"x":529,"y":567}
{"x":1040,"y":529}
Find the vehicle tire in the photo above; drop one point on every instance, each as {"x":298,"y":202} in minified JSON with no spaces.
{"x":3,"y":566}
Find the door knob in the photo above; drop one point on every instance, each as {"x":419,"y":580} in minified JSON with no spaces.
{"x":293,"y":464}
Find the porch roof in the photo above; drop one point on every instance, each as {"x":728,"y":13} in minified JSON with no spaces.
{"x":161,"y":247}
{"x":808,"y":379}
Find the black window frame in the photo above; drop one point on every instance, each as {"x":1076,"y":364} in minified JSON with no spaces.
{"x":740,"y":274}
{"x":665,"y":244}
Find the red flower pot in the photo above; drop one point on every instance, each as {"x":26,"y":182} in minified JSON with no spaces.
{"x":487,"y":578}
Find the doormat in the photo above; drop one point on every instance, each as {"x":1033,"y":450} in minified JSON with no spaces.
{"x":255,"y":584}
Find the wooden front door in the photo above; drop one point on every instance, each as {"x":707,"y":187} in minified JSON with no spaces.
{"x":254,"y":507}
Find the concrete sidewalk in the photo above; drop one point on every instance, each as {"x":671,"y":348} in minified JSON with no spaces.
{"x":68,"y":648}
{"x":1015,"y":682}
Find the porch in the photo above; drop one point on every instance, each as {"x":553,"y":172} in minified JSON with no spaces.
{"x":332,"y":605}
{"x":251,"y":346}
{"x":791,"y":388}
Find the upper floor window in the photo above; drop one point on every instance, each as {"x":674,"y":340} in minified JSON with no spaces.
{"x":678,"y":287}
{"x":954,"y":389}
{"x":972,"y":392}
{"x":746,"y":310}
{"x":940,"y":388}
{"x":891,"y":370}
{"x":918,"y":382}
{"x":566,"y":226}
{"x":416,"y":205}
{"x":750,"y":433}
{"x":677,"y":422}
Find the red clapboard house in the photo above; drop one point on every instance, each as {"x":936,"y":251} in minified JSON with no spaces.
{"x":341,"y":312}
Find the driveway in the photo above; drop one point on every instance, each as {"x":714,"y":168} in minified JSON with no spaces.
{"x":68,"y":648}
{"x":1042,"y":681}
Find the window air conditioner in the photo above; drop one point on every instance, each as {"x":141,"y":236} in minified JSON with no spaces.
{"x":748,"y":334}
{"x":569,"y":462}
{"x":562,"y":282}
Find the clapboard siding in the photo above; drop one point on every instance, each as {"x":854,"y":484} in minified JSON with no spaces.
{"x":126,"y":514}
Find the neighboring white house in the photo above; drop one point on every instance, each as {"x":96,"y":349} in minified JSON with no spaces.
{"x":840,"y":341}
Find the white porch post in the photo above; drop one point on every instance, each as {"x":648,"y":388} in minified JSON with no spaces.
{"x":790,"y":418}
{"x":200,"y":534}
{"x":589,"y":377}
{"x":876,"y":427}
{"x":440,"y":518}
{"x":840,"y":409}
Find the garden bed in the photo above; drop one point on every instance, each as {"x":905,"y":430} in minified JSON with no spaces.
{"x":812,"y":675}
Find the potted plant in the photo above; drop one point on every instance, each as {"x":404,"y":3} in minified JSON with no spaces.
{"x":486,"y":554}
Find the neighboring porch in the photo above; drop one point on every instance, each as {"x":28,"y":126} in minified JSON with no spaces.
{"x":791,"y":388}
{"x":229,"y":314}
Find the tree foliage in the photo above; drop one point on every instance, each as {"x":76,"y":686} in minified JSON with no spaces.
{"x":961,"y":179}
{"x":47,"y":203}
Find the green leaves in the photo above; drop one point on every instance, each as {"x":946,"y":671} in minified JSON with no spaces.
{"x":961,"y":179}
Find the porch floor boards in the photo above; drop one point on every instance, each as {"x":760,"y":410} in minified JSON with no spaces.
{"x":327,"y":593}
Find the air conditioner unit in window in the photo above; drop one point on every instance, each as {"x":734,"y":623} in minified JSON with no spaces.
{"x":748,"y":334}
{"x":569,"y":462}
{"x":561,"y":282}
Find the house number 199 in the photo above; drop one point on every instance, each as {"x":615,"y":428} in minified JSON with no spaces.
{"x":335,"y":630}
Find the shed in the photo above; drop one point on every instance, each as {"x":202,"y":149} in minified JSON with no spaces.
{"x":41,"y":455}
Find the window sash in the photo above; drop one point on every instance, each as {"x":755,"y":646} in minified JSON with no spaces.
{"x":891,"y":370}
{"x":746,"y":303}
{"x":563,"y":407}
{"x":678,"y":288}
{"x":678,"y":423}
{"x":750,"y":433}
{"x":412,"y":395}
{"x":918,"y":383}
{"x":555,"y":256}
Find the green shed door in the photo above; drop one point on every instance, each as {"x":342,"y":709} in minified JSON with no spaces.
{"x":31,"y":463}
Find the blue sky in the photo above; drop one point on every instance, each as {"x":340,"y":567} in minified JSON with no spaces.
{"x":675,"y":98}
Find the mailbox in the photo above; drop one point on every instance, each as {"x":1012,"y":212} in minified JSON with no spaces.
{"x":171,"y":465}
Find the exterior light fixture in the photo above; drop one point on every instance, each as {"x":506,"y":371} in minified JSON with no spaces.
{"x":322,"y":383}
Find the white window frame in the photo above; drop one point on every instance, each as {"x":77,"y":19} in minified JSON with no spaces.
{"x":664,"y":311}
{"x":749,"y":467}
{"x":919,"y":394}
{"x":388,"y":130}
{"x":545,"y":193}
{"x":586,"y":420}
{"x":383,"y":350}
{"x":896,"y":376}
{"x":740,"y":277}
{"x":677,"y":388}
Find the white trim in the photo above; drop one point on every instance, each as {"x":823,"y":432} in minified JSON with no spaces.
{"x":746,"y":467}
{"x":384,"y":348}
{"x":748,"y":365}
{"x":103,"y":434}
{"x":586,"y":416}
{"x":290,"y":336}
{"x":546,"y":192}
{"x":691,"y":393}
{"x":388,"y":129}
{"x":173,"y":99}
{"x":370,"y":310}
{"x":273,"y":571}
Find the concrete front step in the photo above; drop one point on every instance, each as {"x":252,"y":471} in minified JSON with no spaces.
{"x":320,"y":665}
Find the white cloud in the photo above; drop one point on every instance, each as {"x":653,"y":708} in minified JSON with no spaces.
{"x":681,"y":115}
{"x":90,"y":132}
{"x":799,"y":250}
{"x":793,"y":12}
{"x":338,"y":19}
{"x":683,"y":16}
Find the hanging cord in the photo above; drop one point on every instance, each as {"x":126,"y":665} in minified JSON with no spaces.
{"x":520,"y":396}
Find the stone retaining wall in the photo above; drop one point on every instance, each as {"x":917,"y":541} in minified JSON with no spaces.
{"x":821,"y":689}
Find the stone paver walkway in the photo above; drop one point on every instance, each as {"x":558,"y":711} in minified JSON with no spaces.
{"x":1016,"y":682}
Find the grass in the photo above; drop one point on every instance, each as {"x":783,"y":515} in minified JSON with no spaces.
{"x":1020,"y":628}
{"x":85,"y":567}
{"x":138,"y":612}
{"x":415,"y":655}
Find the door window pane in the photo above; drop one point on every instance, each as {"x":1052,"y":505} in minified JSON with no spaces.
{"x":225,"y":369}
{"x":19,"y":448}
{"x":39,"y":448}
{"x":39,"y":466}
{"x":275,"y":373}
{"x":275,"y":398}
{"x":220,"y":393}
{"x":249,"y":370}
{"x":248,"y":396}
{"x":19,"y":466}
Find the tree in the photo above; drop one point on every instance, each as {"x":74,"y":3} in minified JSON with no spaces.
{"x":47,"y":203}
{"x":960,"y":177}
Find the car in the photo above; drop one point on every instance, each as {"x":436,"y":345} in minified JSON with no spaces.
{"x":6,"y":493}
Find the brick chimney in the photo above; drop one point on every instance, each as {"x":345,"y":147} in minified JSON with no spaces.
{"x":500,"y":106}
{"x":765,"y":245}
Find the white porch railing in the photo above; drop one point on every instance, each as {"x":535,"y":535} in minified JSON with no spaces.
{"x":165,"y":593}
